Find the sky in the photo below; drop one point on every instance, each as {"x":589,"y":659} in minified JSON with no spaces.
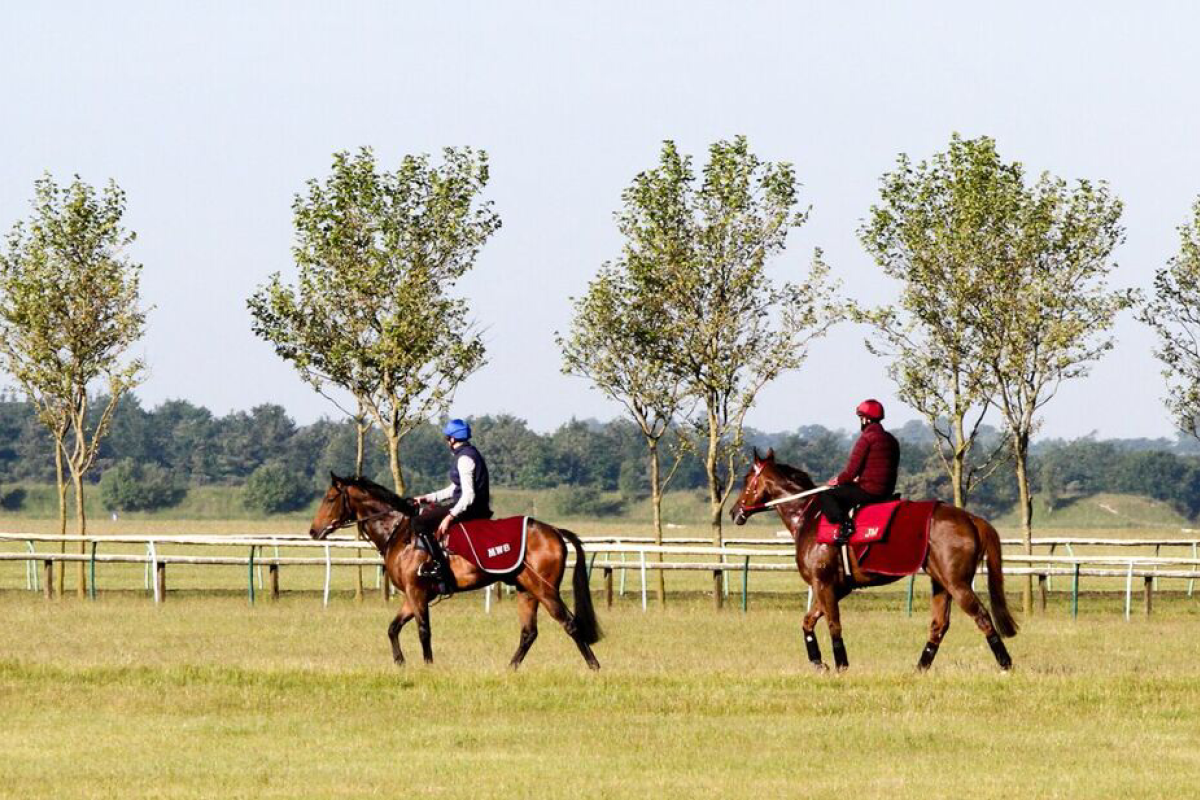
{"x":211,"y":116}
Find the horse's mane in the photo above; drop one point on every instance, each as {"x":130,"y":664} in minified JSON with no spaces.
{"x":383,"y":494}
{"x":795,"y":474}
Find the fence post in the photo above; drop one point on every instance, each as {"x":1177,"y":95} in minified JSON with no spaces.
{"x":1042,"y":579}
{"x":1192,"y":581}
{"x":92,"y":572}
{"x":31,"y":573}
{"x":160,"y":581}
{"x":608,"y":586}
{"x":273,"y":571}
{"x":912,"y":579}
{"x":745,"y":582}
{"x":643,"y":571}
{"x":48,"y":579}
{"x":1128,"y":590}
{"x":1149,"y":592}
{"x":250,"y":584}
{"x":1075,"y":593}
{"x":328,"y":575}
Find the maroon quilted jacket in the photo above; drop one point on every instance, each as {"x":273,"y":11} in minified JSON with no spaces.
{"x":873,"y":461}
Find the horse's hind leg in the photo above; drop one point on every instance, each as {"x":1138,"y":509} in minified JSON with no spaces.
{"x":833,"y":618}
{"x":940,"y":623}
{"x":557,"y":609}
{"x":402,"y":618}
{"x":527,"y":606}
{"x":967,"y":600}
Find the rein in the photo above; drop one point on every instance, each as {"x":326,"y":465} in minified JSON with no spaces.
{"x":787,"y":499}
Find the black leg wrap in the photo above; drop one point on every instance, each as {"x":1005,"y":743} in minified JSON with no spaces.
{"x":814,"y":649}
{"x":839,"y":653}
{"x":1000,"y":651}
{"x":927,"y":656}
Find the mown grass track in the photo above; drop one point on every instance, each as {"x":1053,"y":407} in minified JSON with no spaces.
{"x":207,"y":697}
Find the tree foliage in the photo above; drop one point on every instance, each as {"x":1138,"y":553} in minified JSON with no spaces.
{"x":273,"y":488}
{"x":723,"y":324}
{"x":1046,"y":310}
{"x":138,"y":486}
{"x":1173,"y":312}
{"x":941,"y":228}
{"x":69,"y":312}
{"x":378,"y":254}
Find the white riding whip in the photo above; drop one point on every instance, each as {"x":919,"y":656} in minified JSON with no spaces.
{"x":792,"y":497}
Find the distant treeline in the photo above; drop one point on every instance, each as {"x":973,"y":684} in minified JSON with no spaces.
{"x":197,"y":448}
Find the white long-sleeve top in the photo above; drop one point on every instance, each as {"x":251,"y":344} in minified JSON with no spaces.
{"x":466,"y":478}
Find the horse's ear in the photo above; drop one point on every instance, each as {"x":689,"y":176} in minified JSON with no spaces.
{"x":757,"y":459}
{"x":334,"y":480}
{"x":770,"y":456}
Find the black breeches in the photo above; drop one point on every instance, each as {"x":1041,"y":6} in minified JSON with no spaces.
{"x":837,"y":502}
{"x":430,"y":517}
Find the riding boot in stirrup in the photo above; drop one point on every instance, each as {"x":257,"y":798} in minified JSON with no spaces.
{"x":845,"y":531}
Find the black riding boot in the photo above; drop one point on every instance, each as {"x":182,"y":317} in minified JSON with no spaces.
{"x":845,"y":531}
{"x":437,"y":568}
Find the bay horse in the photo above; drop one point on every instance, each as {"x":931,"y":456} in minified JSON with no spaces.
{"x":958,"y":541}
{"x":386,"y":519}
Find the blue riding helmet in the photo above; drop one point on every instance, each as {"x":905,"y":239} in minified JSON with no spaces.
{"x":457,"y":429}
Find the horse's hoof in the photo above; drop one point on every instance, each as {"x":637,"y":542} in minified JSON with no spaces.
{"x":820,"y":666}
{"x":842,"y":668}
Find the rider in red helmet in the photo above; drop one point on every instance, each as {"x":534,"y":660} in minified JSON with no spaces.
{"x":870,"y":474}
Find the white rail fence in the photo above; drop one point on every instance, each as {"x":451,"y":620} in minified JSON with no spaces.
{"x":617,"y":559}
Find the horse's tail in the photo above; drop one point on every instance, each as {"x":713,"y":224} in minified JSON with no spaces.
{"x":586,"y":625}
{"x":1005,"y":624}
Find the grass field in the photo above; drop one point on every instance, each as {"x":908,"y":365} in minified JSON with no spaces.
{"x":208,"y":697}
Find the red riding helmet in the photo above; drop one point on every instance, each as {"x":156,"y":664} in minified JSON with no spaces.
{"x":871,"y":409}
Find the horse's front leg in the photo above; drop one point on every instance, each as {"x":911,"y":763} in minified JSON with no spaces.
{"x":406,"y":613}
{"x":810,"y":630}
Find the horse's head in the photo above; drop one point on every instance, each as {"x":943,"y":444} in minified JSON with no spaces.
{"x":765,"y":481}
{"x":351,"y":500}
{"x":335,"y":511}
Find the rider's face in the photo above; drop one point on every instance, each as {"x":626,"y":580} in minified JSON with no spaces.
{"x":863,"y":422}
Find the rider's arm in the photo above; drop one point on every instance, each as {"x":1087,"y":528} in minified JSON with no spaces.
{"x":858,"y":458}
{"x":440,"y":496}
{"x":466,"y":479}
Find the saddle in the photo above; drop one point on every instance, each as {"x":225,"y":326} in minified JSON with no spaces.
{"x":890,"y":538}
{"x":496,"y":546}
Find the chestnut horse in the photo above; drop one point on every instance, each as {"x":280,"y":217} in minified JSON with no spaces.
{"x":958,"y":541}
{"x":386,"y":519}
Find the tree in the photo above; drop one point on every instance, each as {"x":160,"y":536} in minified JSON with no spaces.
{"x":617,"y":341}
{"x":69,"y":311}
{"x":1045,"y":310}
{"x":723,"y":323}
{"x":371,"y":313}
{"x":136,"y":486}
{"x":275,"y":489}
{"x":941,"y":228}
{"x":1173,"y":312}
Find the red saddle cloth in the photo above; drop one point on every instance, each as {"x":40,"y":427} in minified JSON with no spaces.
{"x":494,"y":545}
{"x":889,"y":538}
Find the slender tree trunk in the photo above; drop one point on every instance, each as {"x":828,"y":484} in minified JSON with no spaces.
{"x":656,"y":503}
{"x":360,"y":431}
{"x":957,"y":476}
{"x":714,"y":499}
{"x":80,"y":529}
{"x":1025,"y":507}
{"x":393,"y":443}
{"x":61,"y":485}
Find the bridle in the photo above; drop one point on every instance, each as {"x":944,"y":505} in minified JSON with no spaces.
{"x":342,"y":522}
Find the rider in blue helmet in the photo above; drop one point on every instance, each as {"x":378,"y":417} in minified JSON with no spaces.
{"x":467,"y":497}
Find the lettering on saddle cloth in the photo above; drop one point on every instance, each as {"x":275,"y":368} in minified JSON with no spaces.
{"x":889,"y":538}
{"x":495,"y":546}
